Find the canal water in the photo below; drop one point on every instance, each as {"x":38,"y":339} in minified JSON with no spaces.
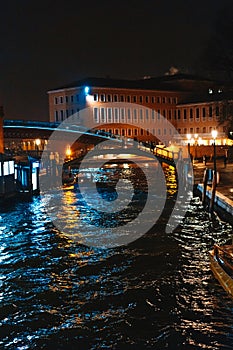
{"x":156,"y":293}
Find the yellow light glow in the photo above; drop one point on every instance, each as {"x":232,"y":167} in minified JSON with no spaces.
{"x":37,"y":142}
{"x":68,"y":151}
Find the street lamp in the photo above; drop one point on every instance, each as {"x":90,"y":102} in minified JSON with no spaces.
{"x":68,"y":153}
{"x":214,"y":135}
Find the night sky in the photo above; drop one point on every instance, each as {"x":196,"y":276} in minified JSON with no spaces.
{"x":45,"y":44}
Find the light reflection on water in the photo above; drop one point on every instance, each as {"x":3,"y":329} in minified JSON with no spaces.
{"x":156,"y":293}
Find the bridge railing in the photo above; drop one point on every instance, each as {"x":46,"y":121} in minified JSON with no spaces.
{"x":160,"y":152}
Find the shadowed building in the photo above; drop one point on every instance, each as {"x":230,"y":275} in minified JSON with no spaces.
{"x":1,"y":130}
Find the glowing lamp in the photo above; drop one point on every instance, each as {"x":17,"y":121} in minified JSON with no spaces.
{"x":214,"y":134}
{"x":87,"y":90}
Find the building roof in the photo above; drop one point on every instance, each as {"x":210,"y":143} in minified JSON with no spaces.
{"x":176,"y":82}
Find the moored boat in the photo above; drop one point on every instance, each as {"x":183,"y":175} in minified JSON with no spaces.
{"x":221,"y":264}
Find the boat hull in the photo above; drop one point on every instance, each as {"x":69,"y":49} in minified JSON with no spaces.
{"x":220,"y":274}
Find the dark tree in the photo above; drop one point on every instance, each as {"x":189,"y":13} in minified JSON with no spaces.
{"x":217,"y":58}
{"x":226,"y":116}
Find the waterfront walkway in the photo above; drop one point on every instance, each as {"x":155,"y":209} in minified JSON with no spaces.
{"x":224,"y":190}
{"x":225,"y":185}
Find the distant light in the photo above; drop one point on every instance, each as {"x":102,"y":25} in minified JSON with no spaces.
{"x":210,"y":91}
{"x":86,"y":90}
{"x":126,"y":166}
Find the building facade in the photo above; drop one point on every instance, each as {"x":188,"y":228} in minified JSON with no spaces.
{"x":145,"y":109}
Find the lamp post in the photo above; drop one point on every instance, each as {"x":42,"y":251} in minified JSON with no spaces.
{"x":214,"y":182}
{"x":214,"y":135}
{"x":196,"y":138}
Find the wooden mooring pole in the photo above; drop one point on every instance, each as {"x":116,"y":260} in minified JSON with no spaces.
{"x":205,"y":180}
{"x":213,"y":192}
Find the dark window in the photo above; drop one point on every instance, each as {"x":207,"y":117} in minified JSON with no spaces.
{"x":210,"y":111}
{"x":191,"y":113}
{"x":203,"y":112}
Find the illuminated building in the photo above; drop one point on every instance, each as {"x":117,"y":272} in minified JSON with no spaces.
{"x":192,"y":104}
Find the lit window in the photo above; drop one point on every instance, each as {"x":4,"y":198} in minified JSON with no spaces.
{"x":116,"y":115}
{"x":122,"y":114}
{"x":129,"y":114}
{"x":102,"y":115}
{"x":141,"y":114}
{"x":109,"y":115}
